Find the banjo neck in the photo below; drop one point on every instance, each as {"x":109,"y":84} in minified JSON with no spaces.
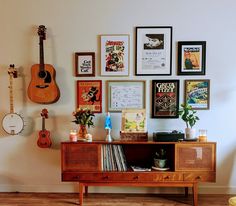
{"x":11,"y":94}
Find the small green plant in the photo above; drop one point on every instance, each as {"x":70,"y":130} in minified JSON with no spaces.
{"x":161,"y":154}
{"x":188,"y":115}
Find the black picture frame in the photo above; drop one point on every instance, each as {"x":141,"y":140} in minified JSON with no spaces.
{"x":153,"y":51}
{"x":191,"y":57}
{"x":165,"y":98}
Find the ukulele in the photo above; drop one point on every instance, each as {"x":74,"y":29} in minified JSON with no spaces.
{"x":44,"y":140}
{"x":43,"y":88}
{"x":12,"y":122}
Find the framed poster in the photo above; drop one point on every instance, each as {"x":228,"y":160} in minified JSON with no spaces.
{"x":191,"y":57}
{"x":114,"y":55}
{"x":197,"y":93}
{"x":128,"y":94}
{"x":84,"y":64}
{"x":134,"y":120}
{"x":153,"y":50}
{"x":89,"y":95}
{"x":165,"y":98}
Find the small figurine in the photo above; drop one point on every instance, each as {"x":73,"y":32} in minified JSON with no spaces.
{"x":108,"y":127}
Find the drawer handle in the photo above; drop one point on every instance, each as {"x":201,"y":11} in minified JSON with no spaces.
{"x":105,"y":178}
{"x":76,"y":177}
{"x":198,"y":178}
{"x":135,"y":178}
{"x":166,"y":177}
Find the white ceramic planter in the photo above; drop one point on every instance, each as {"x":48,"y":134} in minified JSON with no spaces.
{"x":190,"y":133}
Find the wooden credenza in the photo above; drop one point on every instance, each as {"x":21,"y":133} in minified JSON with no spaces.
{"x":188,"y":162}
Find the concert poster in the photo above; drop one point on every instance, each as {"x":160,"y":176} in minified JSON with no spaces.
{"x":165,"y":98}
{"x":89,"y":95}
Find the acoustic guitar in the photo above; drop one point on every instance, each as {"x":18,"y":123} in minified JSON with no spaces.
{"x":12,"y":122}
{"x":43,"y":88}
{"x":44,"y":140}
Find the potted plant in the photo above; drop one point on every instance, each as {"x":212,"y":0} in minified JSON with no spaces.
{"x":188,"y":115}
{"x":160,"y":158}
{"x":83,"y":117}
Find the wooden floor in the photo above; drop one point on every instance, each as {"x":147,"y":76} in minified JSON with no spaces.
{"x":65,"y":199}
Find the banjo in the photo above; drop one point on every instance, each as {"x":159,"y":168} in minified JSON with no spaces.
{"x":12,"y":123}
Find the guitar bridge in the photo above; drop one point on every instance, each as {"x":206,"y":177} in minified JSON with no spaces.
{"x":41,"y":86}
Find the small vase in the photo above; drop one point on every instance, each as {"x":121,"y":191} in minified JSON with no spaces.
{"x":82,"y":131}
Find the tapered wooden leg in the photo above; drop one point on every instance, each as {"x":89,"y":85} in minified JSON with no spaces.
{"x":86,"y":190}
{"x":186,"y":191}
{"x":81,"y":191}
{"x":195,"y":194}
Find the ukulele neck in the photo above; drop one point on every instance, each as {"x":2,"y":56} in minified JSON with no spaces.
{"x":43,"y":124}
{"x":41,"y":54}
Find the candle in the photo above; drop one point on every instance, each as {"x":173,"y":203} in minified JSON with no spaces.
{"x":73,"y":136}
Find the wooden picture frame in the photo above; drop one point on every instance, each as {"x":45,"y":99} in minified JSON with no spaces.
{"x":134,"y":120}
{"x":165,"y":98}
{"x":197,"y":93}
{"x":115,"y":55}
{"x":191,"y":58}
{"x":85,"y":64}
{"x":153,"y":51}
{"x":89,"y":95}
{"x":126,"y":94}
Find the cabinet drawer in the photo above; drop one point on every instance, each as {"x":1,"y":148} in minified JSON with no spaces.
{"x":121,"y":177}
{"x":200,"y":176}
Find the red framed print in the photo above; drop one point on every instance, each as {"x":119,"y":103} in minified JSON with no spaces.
{"x":115,"y":55}
{"x":165,"y":98}
{"x":89,"y":95}
{"x":84,"y":64}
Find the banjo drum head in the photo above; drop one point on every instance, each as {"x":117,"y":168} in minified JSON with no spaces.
{"x":12,"y":123}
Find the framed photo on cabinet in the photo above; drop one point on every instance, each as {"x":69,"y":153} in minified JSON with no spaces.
{"x":191,"y":57}
{"x":89,"y":95}
{"x":153,"y":50}
{"x":84,"y":64}
{"x":115,"y":55}
{"x":165,"y":98}
{"x":126,"y":94}
{"x":197,"y":93}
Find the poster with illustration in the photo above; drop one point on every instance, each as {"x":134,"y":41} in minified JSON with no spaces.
{"x":197,"y":93}
{"x":115,"y":55}
{"x":165,"y":98}
{"x":89,"y":95}
{"x":191,"y":58}
{"x":133,"y":120}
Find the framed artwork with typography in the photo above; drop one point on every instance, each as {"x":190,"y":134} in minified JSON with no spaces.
{"x":197,"y":93}
{"x":115,"y":55}
{"x":84,"y":64}
{"x":165,"y":98}
{"x":126,"y":94}
{"x":89,"y":95}
{"x":153,"y":50}
{"x":191,"y":57}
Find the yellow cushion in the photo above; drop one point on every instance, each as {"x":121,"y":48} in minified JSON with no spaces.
{"x":232,"y":201}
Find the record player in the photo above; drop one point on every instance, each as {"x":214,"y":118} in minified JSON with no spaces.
{"x":168,"y":136}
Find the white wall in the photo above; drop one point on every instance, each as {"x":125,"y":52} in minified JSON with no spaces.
{"x":74,"y":26}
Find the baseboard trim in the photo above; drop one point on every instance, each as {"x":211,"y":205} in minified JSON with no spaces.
{"x":72,"y":188}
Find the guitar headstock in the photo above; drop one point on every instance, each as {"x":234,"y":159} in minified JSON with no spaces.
{"x":12,"y":71}
{"x":42,"y":32}
{"x":44,"y":113}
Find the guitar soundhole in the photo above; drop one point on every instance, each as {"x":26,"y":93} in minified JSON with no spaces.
{"x":42,"y":74}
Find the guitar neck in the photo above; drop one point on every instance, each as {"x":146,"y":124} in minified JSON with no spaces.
{"x":41,"y":54}
{"x":11,"y":94}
